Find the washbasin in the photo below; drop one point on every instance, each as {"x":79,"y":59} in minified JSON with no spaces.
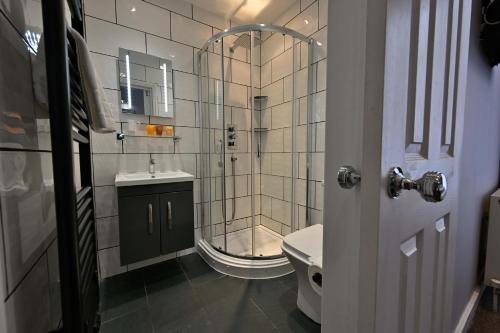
{"x":145,"y":178}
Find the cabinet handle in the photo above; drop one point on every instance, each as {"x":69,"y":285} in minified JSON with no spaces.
{"x":169,"y":215}
{"x":150,"y":220}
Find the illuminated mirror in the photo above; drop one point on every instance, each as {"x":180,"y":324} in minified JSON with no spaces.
{"x":145,"y":84}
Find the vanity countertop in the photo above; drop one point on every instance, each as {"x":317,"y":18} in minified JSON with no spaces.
{"x":145,"y":178}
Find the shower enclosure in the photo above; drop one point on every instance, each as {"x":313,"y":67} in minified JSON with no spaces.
{"x":255,"y":100}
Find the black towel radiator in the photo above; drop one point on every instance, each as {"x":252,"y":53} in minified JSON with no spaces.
{"x":69,"y":125}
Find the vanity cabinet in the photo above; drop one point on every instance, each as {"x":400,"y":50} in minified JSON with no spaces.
{"x":177,"y":212}
{"x":139,"y":227}
{"x":154,"y":220}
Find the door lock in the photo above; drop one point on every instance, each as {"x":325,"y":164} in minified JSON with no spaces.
{"x":433,"y":185}
{"x":347,"y":177}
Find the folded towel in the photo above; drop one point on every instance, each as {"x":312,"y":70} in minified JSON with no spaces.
{"x":99,"y":110}
{"x":39,"y":73}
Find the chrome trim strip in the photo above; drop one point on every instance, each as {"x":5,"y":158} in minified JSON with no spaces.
{"x":254,"y":27}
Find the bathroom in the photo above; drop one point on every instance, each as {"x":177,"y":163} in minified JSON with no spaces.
{"x":170,"y":126}
{"x":185,"y":29}
{"x":207,"y":160}
{"x":174,"y":165}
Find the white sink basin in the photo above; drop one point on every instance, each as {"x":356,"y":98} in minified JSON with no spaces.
{"x":145,"y":178}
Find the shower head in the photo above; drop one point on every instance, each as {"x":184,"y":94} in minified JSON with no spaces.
{"x":243,"y":41}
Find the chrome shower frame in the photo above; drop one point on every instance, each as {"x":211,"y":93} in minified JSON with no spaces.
{"x":219,"y":37}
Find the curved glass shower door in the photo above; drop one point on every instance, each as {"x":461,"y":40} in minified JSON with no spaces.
{"x":255,"y":90}
{"x":211,"y":145}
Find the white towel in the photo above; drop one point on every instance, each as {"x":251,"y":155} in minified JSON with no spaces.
{"x":99,"y":110}
{"x":39,"y":72}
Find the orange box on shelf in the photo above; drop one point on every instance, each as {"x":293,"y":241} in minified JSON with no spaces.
{"x":169,"y":130}
{"x":150,"y":129}
{"x":159,"y":130}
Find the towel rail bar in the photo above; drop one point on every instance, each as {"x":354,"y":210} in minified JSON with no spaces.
{"x":74,"y":207}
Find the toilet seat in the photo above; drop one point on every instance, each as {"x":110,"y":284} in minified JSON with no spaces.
{"x":305,"y":244}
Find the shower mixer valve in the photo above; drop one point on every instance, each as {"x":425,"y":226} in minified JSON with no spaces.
{"x":231,"y":136}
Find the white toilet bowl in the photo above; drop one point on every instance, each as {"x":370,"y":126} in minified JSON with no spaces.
{"x":304,"y":250}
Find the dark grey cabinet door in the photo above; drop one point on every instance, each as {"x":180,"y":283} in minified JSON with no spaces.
{"x":176,"y":210}
{"x":139,"y":228}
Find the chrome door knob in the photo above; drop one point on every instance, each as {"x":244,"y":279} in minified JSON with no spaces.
{"x":347,"y":177}
{"x":433,"y":185}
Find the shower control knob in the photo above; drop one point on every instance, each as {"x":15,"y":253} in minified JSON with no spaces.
{"x":347,"y":177}
{"x":433,"y":185}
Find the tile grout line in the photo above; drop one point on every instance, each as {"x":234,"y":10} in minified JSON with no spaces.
{"x":265,"y":314}
{"x":144,"y":285}
{"x":202,"y":303}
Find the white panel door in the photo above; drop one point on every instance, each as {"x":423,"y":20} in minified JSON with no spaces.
{"x":396,"y":89}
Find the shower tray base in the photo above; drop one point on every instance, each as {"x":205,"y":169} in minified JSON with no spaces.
{"x":260,"y":268}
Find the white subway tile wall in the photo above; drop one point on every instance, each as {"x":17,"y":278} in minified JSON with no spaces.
{"x":190,"y":32}
{"x":309,"y":18}
{"x":29,"y":269}
{"x":167,"y":29}
{"x":175,"y":29}
{"x":176,"y":6}
{"x":103,"y":9}
{"x":131,"y":13}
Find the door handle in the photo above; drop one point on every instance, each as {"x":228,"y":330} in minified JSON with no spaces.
{"x":169,"y":215}
{"x":150,"y":219}
{"x":433,"y":185}
{"x":347,"y":177}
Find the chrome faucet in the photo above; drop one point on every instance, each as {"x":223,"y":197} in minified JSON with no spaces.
{"x":152,"y":163}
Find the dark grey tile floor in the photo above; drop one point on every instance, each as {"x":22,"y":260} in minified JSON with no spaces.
{"x":485,"y":320}
{"x":186,"y":295}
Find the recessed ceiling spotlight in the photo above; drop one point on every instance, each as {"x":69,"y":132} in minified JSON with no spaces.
{"x":172,"y":56}
{"x":133,"y":9}
{"x":306,"y":21}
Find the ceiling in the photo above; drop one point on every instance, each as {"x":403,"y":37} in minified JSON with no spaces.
{"x":246,"y":11}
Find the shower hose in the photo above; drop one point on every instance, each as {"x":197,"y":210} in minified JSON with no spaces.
{"x":233,"y":166}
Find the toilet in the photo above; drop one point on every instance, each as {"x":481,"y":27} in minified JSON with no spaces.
{"x":304,"y":250}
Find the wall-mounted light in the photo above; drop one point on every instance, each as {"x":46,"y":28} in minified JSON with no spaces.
{"x":133,"y":9}
{"x":129,"y":88}
{"x":319,"y":43}
{"x":165,"y":87}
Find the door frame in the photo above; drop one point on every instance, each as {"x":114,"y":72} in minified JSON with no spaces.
{"x":355,"y":100}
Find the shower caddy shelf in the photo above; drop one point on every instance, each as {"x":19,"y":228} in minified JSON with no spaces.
{"x":69,"y":126}
{"x":260,"y":99}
